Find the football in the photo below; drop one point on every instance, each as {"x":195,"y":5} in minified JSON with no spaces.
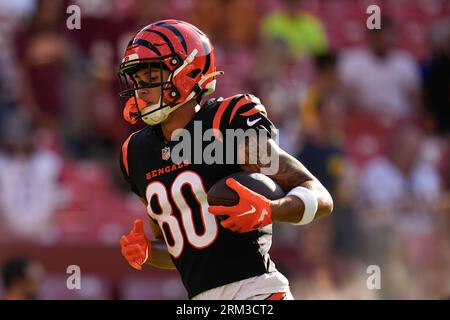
{"x":221,"y":195}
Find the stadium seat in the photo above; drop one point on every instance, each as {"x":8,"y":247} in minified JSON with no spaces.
{"x":367,"y":136}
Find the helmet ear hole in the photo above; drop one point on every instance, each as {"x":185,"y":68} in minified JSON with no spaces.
{"x":194,"y":73}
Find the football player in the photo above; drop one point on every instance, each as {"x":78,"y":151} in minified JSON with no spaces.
{"x":167,"y":70}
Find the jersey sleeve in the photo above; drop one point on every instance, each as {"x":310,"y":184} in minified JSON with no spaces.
{"x":124,"y":165}
{"x":245,"y":112}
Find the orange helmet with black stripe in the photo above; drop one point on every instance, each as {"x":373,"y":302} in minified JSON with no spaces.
{"x":181,"y":49}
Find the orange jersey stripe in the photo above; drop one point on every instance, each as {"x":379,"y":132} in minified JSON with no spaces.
{"x":218,"y":116}
{"x":239,"y":104}
{"x":254,"y":110}
{"x":125,"y":153}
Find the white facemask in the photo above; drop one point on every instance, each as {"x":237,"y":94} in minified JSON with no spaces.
{"x":162,"y":114}
{"x":156,"y":116}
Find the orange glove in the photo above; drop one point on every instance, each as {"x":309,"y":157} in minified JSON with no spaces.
{"x":136,"y":248}
{"x":251,"y":213}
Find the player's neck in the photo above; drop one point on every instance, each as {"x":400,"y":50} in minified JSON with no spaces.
{"x":178,"y":119}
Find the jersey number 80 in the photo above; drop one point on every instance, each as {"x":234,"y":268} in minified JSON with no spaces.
{"x":166,"y":217}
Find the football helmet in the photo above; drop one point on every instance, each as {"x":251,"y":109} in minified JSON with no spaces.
{"x":181,"y":49}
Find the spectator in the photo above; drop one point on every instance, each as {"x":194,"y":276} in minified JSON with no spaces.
{"x":381,"y":79}
{"x":399,"y":194}
{"x":437,"y":80}
{"x":236,"y":33}
{"x":281,"y":81}
{"x":28,"y":181}
{"x":323,"y":273}
{"x":303,"y":32}
{"x":44,"y":55}
{"x":7,"y":90}
{"x":22,"y":278}
{"x":401,"y":185}
{"x":322,"y":152}
{"x":95,"y":120}
{"x":5,"y":93}
{"x":207,"y":15}
{"x":326,"y":81}
{"x":242,"y":23}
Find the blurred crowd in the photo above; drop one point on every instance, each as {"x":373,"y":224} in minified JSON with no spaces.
{"x":367,"y":111}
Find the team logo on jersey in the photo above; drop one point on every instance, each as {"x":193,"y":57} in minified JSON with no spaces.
{"x":165,"y":153}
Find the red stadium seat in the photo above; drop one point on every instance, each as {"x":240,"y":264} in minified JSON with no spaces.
{"x":93,"y":211}
{"x":367,"y":136}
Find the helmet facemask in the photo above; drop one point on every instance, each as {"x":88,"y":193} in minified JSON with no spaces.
{"x":183,"y":76}
{"x":136,"y":107}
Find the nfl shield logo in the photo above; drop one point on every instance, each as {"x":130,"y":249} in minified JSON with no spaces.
{"x":165,"y":152}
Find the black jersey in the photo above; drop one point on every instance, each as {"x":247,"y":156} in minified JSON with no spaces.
{"x":205,"y":254}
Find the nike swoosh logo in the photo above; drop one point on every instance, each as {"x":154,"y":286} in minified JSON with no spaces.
{"x":250,"y":123}
{"x":253,"y":209}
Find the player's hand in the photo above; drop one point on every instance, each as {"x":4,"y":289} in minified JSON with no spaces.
{"x":136,"y":248}
{"x":251,"y":213}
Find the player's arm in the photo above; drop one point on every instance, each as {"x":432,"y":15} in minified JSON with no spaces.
{"x":138,"y":250}
{"x":160,"y":257}
{"x":290,"y":174}
{"x":306,"y":197}
{"x":135,"y":247}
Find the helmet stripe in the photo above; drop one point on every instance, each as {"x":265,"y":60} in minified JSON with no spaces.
{"x":147,"y":44}
{"x":206,"y":47}
{"x":176,"y":32}
{"x":224,"y":105}
{"x":207,"y":57}
{"x":125,"y":153}
{"x":164,"y":37}
{"x":207,"y":63}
